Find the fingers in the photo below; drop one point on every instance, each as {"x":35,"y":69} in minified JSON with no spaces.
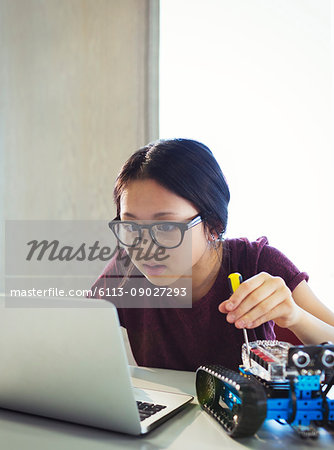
{"x":257,"y":300}
{"x":242,"y":292}
{"x":262,"y":311}
{"x":282,"y":314}
{"x":246,"y":288}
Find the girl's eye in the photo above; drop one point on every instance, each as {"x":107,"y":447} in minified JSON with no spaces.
{"x":129,"y":227}
{"x":166,"y":227}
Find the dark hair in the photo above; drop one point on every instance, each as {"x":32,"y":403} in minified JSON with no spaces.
{"x":186,"y":168}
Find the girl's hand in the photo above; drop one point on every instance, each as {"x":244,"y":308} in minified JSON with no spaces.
{"x":260,"y":299}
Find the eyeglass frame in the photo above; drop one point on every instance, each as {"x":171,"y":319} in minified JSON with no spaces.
{"x":183,"y":227}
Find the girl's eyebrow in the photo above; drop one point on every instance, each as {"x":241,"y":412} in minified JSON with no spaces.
{"x":159,"y":214}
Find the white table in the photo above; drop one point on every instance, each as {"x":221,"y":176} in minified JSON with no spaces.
{"x":192,"y":428}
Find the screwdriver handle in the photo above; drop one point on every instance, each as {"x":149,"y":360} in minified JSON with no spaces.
{"x":234,"y":280}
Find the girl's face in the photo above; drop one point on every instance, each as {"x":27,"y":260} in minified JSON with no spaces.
{"x":146,"y":201}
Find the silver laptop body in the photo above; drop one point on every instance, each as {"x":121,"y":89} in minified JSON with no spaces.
{"x":70,"y":363}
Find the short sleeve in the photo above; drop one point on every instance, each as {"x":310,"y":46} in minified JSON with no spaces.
{"x":274,"y":262}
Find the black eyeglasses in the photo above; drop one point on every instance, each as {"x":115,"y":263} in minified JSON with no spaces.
{"x":164,"y":234}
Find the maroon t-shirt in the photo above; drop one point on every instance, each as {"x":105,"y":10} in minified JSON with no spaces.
{"x":185,"y":338}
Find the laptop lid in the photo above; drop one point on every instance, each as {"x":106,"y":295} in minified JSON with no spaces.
{"x":67,"y":363}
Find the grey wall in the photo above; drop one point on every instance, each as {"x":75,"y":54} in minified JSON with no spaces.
{"x":79,"y":93}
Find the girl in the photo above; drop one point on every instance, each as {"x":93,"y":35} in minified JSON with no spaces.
{"x":177,"y":190}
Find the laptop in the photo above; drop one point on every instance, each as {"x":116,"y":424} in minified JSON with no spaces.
{"x":70,"y":363}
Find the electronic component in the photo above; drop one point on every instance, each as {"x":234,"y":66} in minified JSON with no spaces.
{"x":290,"y":384}
{"x":277,"y":380}
{"x":267,"y":359}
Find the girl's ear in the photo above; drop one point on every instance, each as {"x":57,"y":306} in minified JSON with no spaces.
{"x":214,"y":235}
{"x":211,"y":234}
{"x":207,"y":231}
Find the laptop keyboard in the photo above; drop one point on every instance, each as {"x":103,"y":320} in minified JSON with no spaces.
{"x":148,"y":409}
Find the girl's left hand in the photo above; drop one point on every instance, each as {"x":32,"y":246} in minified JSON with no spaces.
{"x":260,"y":299}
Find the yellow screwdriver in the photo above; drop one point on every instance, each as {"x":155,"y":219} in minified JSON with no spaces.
{"x":235,"y":279}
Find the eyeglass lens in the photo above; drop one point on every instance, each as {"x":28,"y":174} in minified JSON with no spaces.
{"x":165,"y":234}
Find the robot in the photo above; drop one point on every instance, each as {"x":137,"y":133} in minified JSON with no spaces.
{"x":277,"y":380}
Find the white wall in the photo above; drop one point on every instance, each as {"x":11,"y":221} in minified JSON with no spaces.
{"x":252,"y":79}
{"x":79,"y":94}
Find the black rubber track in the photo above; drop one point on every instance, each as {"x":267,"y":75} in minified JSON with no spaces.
{"x":243,"y":419}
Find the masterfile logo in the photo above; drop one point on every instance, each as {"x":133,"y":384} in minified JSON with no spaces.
{"x":65,"y":258}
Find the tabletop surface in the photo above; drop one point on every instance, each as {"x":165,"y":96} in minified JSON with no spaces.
{"x":190,"y":428}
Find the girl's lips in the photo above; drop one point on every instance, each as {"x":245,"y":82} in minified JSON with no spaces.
{"x":155,"y":270}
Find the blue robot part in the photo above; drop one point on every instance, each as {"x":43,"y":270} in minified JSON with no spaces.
{"x":290,"y":384}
